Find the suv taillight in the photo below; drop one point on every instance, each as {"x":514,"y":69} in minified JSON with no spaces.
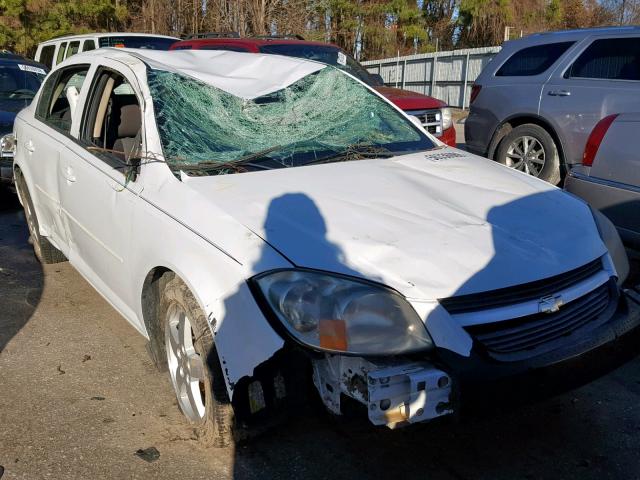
{"x":595,"y":139}
{"x":475,"y":90}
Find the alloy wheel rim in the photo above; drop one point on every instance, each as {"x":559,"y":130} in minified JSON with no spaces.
{"x":185,"y":364}
{"x":527,"y":155}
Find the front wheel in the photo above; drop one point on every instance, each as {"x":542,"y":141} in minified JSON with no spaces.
{"x":530,"y":149}
{"x":194,"y":367}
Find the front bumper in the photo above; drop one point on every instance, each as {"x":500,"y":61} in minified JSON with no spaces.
{"x":482,"y":381}
{"x":449,"y":136}
{"x":420,"y":389}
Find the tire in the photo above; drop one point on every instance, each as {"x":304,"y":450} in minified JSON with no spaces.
{"x":541,"y":148}
{"x":44,"y":251}
{"x":215,"y":424}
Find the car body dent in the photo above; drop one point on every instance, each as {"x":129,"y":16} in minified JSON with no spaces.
{"x":408,"y":207}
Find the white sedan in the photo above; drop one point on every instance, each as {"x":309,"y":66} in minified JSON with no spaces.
{"x":270,"y":223}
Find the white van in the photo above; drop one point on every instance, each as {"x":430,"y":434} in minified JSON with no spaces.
{"x":54,"y":51}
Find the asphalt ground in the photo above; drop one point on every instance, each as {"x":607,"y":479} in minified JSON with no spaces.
{"x":79,"y":397}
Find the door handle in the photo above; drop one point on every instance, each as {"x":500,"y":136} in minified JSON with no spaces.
{"x":559,"y":93}
{"x":69,"y":175}
{"x":30,"y":147}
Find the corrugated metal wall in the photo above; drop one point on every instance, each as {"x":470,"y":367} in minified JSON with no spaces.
{"x":455,"y":71}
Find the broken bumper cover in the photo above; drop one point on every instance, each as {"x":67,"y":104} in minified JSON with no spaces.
{"x":394,"y":392}
{"x":398,"y":393}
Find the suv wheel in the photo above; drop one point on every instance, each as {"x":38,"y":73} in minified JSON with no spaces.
{"x":530,"y":149}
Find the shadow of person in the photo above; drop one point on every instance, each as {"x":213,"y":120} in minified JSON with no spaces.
{"x":21,"y":275}
{"x":294,"y":234}
{"x":295,"y":227}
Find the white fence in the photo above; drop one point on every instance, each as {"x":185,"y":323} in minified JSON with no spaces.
{"x":447,"y":76}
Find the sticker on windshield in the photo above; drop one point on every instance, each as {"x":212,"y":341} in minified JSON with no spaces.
{"x":342,"y":58}
{"x":30,"y":68}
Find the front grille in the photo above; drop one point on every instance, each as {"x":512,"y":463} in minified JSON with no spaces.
{"x":528,"y":333}
{"x":520,"y":293}
{"x":431,"y":120}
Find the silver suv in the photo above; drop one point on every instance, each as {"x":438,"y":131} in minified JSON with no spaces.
{"x":534,"y":106}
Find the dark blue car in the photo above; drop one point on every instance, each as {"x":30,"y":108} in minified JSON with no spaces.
{"x":20,"y":79}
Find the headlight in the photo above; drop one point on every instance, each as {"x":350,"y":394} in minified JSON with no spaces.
{"x":340,"y":314}
{"x":447,"y":119}
{"x":8,"y":145}
{"x":611,"y":239}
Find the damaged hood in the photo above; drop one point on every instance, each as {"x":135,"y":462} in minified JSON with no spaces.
{"x":431,"y":225}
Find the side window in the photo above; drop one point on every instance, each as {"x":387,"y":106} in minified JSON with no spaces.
{"x":183,"y":47}
{"x":533,"y":60}
{"x":73,"y":49}
{"x":231,"y":48}
{"x":611,"y":59}
{"x":61,"y":50}
{"x":88,"y":45}
{"x":113,"y":121}
{"x":46,"y":55}
{"x":59,"y":93}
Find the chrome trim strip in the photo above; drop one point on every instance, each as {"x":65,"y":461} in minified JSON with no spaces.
{"x":531,"y":307}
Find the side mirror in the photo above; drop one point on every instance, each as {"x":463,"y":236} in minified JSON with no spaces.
{"x":376,"y":79}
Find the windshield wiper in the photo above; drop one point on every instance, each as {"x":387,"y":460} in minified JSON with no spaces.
{"x":355,"y":152}
{"x":248,"y":160}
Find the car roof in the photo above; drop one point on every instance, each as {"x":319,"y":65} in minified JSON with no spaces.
{"x":104,"y":34}
{"x":258,"y":41}
{"x":588,"y":31}
{"x":239,"y":73}
{"x":571,"y":35}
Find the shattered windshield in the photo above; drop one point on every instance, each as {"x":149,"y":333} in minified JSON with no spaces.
{"x":325,"y":116}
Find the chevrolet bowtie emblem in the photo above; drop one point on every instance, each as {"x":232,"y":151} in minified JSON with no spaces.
{"x":550,"y":304}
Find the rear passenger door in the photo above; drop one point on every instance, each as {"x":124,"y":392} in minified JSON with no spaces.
{"x":601,"y":77}
{"x":97,"y":190}
{"x":44,"y":144}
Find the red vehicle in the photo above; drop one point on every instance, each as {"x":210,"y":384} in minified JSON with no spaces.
{"x":434,"y":114}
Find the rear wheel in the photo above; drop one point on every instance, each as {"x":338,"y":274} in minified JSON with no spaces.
{"x":194,"y":367}
{"x":45,"y":252}
{"x":530,"y":149}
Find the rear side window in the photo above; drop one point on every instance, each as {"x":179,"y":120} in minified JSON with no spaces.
{"x":611,"y":59}
{"x":53,"y":107}
{"x":61,"y":52}
{"x":533,"y":60}
{"x":46,"y":55}
{"x":73,"y":49}
{"x":88,"y":45}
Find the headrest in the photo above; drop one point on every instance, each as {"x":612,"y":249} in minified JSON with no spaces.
{"x":130,"y":121}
